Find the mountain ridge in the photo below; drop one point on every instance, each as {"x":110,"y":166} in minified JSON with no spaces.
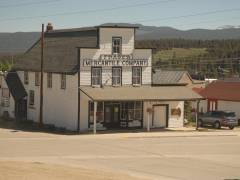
{"x":19,"y":42}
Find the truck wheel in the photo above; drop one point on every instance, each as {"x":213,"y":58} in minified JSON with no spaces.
{"x":217,"y":125}
{"x":231,"y":127}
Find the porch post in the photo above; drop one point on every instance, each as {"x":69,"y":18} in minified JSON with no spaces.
{"x":196,"y":114}
{"x":95,"y":117}
{"x":148,"y":122}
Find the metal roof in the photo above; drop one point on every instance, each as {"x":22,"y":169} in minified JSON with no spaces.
{"x":127,"y":93}
{"x":60,"y":51}
{"x":118,"y":25}
{"x":15,"y":86}
{"x":222,"y":90}
{"x":167,"y":77}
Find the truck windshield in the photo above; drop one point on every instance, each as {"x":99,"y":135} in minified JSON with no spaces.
{"x":230,"y":114}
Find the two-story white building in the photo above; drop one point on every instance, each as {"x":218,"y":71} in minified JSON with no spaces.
{"x":94,"y":78}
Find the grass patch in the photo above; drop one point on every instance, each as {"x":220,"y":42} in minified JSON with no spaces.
{"x":179,"y":53}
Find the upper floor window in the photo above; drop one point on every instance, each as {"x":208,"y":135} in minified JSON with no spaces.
{"x":37,"y":79}
{"x":31,"y":97}
{"x":136,"y":75}
{"x":116,"y":45}
{"x":96,"y":76}
{"x":49,"y":80}
{"x":25,"y":77}
{"x":63,"y":81}
{"x":116,"y":76}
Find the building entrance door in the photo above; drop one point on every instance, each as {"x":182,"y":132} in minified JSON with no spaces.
{"x":112,"y":115}
{"x":21,"y":109}
{"x":160,"y":116}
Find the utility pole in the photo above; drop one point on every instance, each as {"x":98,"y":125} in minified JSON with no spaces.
{"x":41,"y":83}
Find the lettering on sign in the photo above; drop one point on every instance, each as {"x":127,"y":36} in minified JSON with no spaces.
{"x":115,"y":60}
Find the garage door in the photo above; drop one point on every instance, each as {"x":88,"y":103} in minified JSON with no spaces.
{"x":160,"y":116}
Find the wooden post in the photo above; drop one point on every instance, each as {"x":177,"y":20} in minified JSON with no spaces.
{"x":196,"y":114}
{"x":95,"y":117}
{"x":148,"y":122}
{"x":41,"y":83}
{"x":149,"y":111}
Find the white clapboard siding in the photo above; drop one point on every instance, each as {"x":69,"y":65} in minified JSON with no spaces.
{"x":59,"y":105}
{"x":127,"y":75}
{"x":127,"y":35}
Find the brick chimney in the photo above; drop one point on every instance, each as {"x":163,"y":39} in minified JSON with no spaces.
{"x":49,"y":27}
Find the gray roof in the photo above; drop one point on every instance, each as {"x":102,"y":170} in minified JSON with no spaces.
{"x":118,"y":25}
{"x":165,"y":77}
{"x":15,"y":86}
{"x":60,"y":50}
{"x":127,"y":93}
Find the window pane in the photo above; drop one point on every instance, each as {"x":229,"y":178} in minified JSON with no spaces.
{"x":37,"y":79}
{"x":96,"y":76}
{"x":138,"y":114}
{"x":116,"y":76}
{"x":31,"y":97}
{"x":63,"y":81}
{"x":116,"y":45}
{"x":136,"y":73}
{"x":25,"y":77}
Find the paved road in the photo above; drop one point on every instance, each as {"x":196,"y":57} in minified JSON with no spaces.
{"x":153,"y":156}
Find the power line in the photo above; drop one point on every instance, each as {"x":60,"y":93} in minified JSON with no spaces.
{"x":27,"y":4}
{"x":88,"y":11}
{"x":189,"y":15}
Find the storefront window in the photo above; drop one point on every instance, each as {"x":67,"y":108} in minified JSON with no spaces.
{"x":124,"y":110}
{"x":133,"y":109}
{"x":138,"y":110}
{"x":99,"y":114}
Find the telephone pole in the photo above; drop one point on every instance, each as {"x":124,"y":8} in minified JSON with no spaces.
{"x":41,"y":83}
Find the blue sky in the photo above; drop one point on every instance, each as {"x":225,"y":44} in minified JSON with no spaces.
{"x":174,"y":13}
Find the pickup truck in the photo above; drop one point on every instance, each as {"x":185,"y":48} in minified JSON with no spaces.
{"x":218,"y":119}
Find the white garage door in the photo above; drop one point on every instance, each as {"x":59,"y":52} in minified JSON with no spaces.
{"x":160,"y":116}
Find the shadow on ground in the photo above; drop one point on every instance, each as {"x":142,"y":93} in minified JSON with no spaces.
{"x":29,"y":126}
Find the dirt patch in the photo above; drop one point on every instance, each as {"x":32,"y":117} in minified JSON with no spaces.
{"x":39,"y":171}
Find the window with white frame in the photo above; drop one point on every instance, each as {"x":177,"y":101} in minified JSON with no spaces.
{"x":49,"y":80}
{"x":31,"y":98}
{"x":116,"y":45}
{"x":5,"y":97}
{"x":37,"y":79}
{"x":116,"y":76}
{"x":25,"y":77}
{"x":63,"y":81}
{"x":136,"y":75}
{"x":96,"y":76}
{"x":135,"y":110}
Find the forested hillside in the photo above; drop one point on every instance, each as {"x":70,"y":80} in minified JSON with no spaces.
{"x":209,"y":58}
